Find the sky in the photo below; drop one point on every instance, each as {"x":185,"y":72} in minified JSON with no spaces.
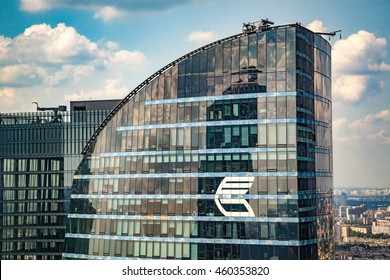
{"x":54,"y":51}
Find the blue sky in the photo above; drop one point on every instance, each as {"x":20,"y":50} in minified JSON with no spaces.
{"x":53,"y":51}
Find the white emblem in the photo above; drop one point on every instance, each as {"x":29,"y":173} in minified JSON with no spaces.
{"x":230,"y":191}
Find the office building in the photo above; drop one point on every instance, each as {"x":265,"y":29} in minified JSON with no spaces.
{"x":381,"y":227}
{"x":39,"y":152}
{"x":225,"y":153}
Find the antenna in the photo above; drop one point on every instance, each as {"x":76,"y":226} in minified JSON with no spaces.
{"x":265,"y":24}
{"x":57,"y":117}
{"x":37,"y":105}
{"x":333,"y":33}
{"x":250,"y":27}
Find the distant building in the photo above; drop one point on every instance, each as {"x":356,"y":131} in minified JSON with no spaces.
{"x":345,"y":232}
{"x":366,"y":220}
{"x":337,"y":232}
{"x":350,"y":212}
{"x":381,"y":214}
{"x":381,"y":227}
{"x":340,"y":199}
{"x":39,"y":152}
{"x":342,"y":212}
{"x":354,"y":212}
{"x":361,"y":229}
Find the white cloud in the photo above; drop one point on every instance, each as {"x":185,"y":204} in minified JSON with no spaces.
{"x":360,"y":53}
{"x":50,"y":63}
{"x":20,"y":74}
{"x":357,"y":62}
{"x":112,"y":89}
{"x":342,"y":133}
{"x":43,"y":44}
{"x":107,"y":10}
{"x":202,"y":37}
{"x":382,"y":116}
{"x":37,"y":28}
{"x":68,"y":73}
{"x":371,"y":129}
{"x":316,"y":26}
{"x":7,"y":97}
{"x":35,"y":5}
{"x":353,"y":88}
{"x":126,"y":60}
{"x":381,"y":136}
{"x":109,"y":14}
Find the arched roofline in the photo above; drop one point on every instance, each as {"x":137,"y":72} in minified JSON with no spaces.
{"x":157,"y":74}
{"x":148,"y":81}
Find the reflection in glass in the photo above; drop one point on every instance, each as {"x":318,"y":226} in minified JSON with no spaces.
{"x":259,"y":127}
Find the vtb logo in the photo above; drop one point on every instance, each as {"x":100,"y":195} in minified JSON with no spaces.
{"x":229,"y":192}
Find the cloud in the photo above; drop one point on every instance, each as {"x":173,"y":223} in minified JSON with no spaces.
{"x":316,"y":26}
{"x":43,"y":44}
{"x":68,"y":74}
{"x":357,"y":63}
{"x":107,"y":10}
{"x":360,"y":53}
{"x":51,"y":62}
{"x":112,"y":89}
{"x":35,"y":5}
{"x":7,"y":97}
{"x":381,"y":136}
{"x":16,"y":75}
{"x":353,"y":88}
{"x":202,"y":37}
{"x":109,"y":14}
{"x":371,"y":129}
{"x":381,"y":117}
{"x":122,"y":60}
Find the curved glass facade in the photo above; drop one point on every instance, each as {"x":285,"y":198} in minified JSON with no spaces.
{"x":225,"y":154}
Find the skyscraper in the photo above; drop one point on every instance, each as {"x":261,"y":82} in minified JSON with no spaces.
{"x":39,"y":152}
{"x":225,"y":153}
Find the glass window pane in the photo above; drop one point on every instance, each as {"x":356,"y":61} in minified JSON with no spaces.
{"x":281,"y":136}
{"x":271,"y":133}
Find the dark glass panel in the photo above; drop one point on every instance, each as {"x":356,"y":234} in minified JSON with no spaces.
{"x":211,"y":60}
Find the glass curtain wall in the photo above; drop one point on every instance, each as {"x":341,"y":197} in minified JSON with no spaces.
{"x":225,"y":155}
{"x":39,"y":153}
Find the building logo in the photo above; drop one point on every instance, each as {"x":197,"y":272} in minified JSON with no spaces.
{"x":230,"y":192}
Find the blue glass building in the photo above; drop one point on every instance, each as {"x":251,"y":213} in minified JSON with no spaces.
{"x":225,"y":153}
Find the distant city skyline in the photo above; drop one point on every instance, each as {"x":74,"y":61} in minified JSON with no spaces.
{"x":359,"y":187}
{"x":55,"y":51}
